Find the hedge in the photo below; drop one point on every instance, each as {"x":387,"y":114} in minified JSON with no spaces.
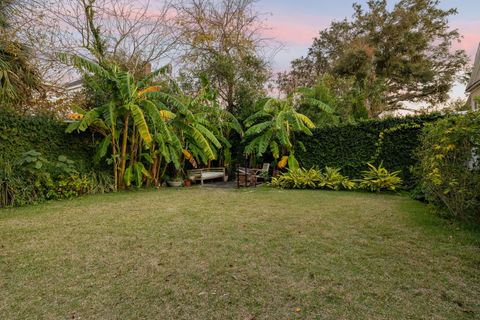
{"x":350,"y":147}
{"x":21,"y":133}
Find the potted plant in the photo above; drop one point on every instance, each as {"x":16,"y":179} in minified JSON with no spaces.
{"x":176,"y":181}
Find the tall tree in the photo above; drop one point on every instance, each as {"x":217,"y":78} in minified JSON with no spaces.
{"x":223,"y":41}
{"x":399,"y":55}
{"x":135,"y":34}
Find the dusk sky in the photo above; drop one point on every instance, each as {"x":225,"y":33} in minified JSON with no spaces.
{"x":296,"y":23}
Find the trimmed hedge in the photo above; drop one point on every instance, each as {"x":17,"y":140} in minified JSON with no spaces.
{"x":20,"y":133}
{"x":352,"y":146}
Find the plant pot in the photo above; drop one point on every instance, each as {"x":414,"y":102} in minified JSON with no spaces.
{"x":187,"y":183}
{"x":175,"y":183}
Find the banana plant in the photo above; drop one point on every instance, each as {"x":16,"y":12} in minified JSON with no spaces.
{"x":192,"y":128}
{"x":123,"y":122}
{"x":273,"y":129}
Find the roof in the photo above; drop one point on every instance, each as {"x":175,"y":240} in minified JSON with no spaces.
{"x":475,"y":79}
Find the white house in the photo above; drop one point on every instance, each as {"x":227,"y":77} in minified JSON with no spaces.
{"x":473,"y":87}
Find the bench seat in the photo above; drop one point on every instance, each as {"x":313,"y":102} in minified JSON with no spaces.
{"x":207,"y":174}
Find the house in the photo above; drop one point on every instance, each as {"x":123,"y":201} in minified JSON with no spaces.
{"x":473,"y":87}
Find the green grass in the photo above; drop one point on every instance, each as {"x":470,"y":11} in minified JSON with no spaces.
{"x":227,"y":254}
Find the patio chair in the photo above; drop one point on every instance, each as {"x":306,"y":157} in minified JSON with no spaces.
{"x":264,"y":171}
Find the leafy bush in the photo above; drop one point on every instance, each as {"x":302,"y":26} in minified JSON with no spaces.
{"x":34,"y":178}
{"x":352,"y":146}
{"x":330,"y":178}
{"x":449,"y":170}
{"x":298,"y":178}
{"x":70,"y":186}
{"x":380,"y":179}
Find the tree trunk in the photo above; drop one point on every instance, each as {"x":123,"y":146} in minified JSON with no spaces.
{"x":123,"y":155}
{"x":114,"y":153}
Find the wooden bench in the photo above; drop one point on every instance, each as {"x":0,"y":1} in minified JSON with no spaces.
{"x":207,"y":174}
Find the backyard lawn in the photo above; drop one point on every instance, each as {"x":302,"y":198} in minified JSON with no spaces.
{"x":205,"y":253}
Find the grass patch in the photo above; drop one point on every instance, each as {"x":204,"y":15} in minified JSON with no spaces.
{"x":227,"y":254}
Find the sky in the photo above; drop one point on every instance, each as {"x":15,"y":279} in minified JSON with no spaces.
{"x":296,"y":22}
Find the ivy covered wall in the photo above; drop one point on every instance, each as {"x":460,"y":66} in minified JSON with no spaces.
{"x":19,"y":133}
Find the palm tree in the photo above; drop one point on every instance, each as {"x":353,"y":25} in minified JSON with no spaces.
{"x":273,"y":129}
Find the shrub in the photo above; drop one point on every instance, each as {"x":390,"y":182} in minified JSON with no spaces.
{"x":298,"y":178}
{"x":448,"y":170}
{"x":380,"y":179}
{"x":34,"y":178}
{"x":333,"y":179}
{"x":330,"y":178}
{"x":70,"y":186}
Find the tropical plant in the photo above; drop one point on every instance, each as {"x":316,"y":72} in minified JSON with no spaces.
{"x":378,"y":179}
{"x":149,"y":124}
{"x":299,"y":178}
{"x":332,"y":179}
{"x":273,"y":129}
{"x":123,"y":123}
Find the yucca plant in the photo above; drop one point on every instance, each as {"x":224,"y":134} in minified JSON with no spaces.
{"x":273,"y":129}
{"x":378,"y":179}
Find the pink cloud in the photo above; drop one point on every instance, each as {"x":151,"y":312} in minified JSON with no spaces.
{"x":471,"y":36}
{"x":297,"y":30}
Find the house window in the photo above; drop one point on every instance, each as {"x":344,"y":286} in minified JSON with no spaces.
{"x":474,"y":104}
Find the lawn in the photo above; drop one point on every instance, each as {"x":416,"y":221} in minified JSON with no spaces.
{"x":228,"y":254}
